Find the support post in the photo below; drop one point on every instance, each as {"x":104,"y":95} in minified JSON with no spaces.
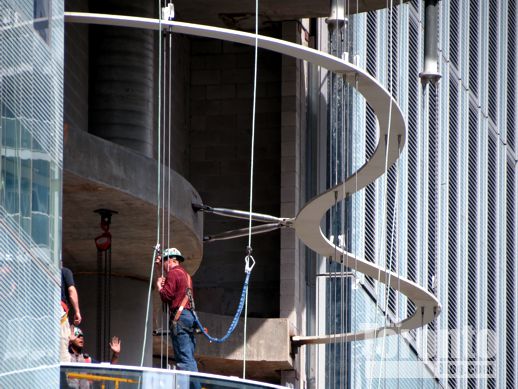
{"x":431,"y":13}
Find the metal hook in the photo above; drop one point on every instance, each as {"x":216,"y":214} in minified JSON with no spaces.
{"x":248,"y":266}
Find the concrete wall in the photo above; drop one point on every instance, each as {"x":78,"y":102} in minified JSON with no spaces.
{"x":122,"y":80}
{"x":180,"y":104}
{"x":221,"y":107}
{"x":293,"y":272}
{"x":128,"y":313}
{"x":76,"y":69}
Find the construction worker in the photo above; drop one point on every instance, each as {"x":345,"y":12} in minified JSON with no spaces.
{"x":175,"y":288}
{"x":69,"y":294}
{"x":77,"y":344}
{"x":76,"y":347}
{"x":69,"y":299}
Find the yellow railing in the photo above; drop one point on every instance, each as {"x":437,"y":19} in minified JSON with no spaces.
{"x":95,"y":377}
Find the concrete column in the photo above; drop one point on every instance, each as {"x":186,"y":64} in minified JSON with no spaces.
{"x":128,"y":304}
{"x":76,"y":70}
{"x":292,"y":297}
{"x":121,"y":78}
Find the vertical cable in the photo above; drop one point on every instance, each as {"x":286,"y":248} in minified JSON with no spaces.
{"x":355,"y":273}
{"x":345,"y":242}
{"x":159,"y":114}
{"x":254,"y":103}
{"x":109,"y":296}
{"x":169,"y":87}
{"x":165,"y":114}
{"x":382,"y":238}
{"x":162,"y":92}
{"x":99,"y":302}
{"x":387,"y":262}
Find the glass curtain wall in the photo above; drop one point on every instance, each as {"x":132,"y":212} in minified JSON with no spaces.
{"x":31,"y":133}
{"x":445,"y":215}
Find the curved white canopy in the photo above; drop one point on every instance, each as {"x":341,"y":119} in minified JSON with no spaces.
{"x":392,"y":134}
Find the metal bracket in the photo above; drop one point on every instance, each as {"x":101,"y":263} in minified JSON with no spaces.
{"x":168,"y":12}
{"x":271,"y":222}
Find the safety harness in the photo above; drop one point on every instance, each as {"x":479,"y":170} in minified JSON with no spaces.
{"x":188,"y":298}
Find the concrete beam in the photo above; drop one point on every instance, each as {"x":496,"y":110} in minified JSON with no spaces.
{"x":264,"y":361}
{"x":100,"y":174}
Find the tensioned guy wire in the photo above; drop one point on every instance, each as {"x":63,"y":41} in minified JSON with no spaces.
{"x":159,"y":114}
{"x":386,"y":182}
{"x":382,"y":237}
{"x":163,"y":184}
{"x":254,"y":103}
{"x":169,"y":130}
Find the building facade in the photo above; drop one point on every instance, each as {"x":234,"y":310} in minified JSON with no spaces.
{"x":445,"y":214}
{"x":31,"y":133}
{"x":157,"y":122}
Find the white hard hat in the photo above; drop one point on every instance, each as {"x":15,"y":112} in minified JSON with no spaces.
{"x":173,"y":253}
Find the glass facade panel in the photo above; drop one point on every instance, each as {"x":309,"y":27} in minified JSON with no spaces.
{"x":97,"y":376}
{"x":445,"y":215}
{"x":31,"y":121}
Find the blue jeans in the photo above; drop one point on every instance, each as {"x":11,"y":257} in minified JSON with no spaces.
{"x":184,"y":342}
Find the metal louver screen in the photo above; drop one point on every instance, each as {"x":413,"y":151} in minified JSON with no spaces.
{"x":454,"y":32}
{"x":472,"y":260}
{"x":393,"y":53}
{"x":472,"y":219}
{"x":492,"y":239}
{"x":511,"y":279}
{"x":474,"y":10}
{"x":412,"y":148}
{"x":493,"y":64}
{"x":433,"y":209}
{"x":370,"y":145}
{"x":371,"y":43}
{"x":453,"y":180}
{"x":391,"y":228}
{"x":433,"y":187}
{"x":511,"y":74}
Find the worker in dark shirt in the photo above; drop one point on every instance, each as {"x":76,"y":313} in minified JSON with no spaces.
{"x":69,"y":299}
{"x":174,"y":287}
{"x":69,"y":294}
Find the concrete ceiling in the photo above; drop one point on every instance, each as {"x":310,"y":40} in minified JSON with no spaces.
{"x":240,"y":14}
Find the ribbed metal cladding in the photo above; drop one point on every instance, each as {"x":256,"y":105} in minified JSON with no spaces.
{"x":433,"y":186}
{"x":494,"y":23}
{"x":473,"y":262}
{"x":121,"y":78}
{"x":492,"y":239}
{"x":370,"y":145}
{"x":392,"y":71}
{"x":474,"y":9}
{"x":392,"y":175}
{"x":453,"y":178}
{"x":454,"y":33}
{"x":511,"y":74}
{"x":459,"y":173}
{"x":511,"y":279}
{"x":412,"y":163}
{"x":412,"y":158}
{"x":433,"y":211}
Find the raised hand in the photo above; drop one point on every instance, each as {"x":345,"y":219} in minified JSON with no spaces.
{"x":115,"y":345}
